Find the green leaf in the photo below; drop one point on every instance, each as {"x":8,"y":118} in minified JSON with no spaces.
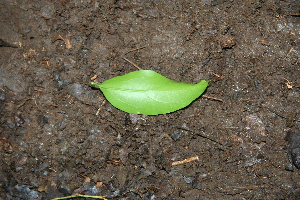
{"x":148,"y":92}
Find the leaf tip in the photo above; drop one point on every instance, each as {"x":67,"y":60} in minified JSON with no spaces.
{"x":95,"y":84}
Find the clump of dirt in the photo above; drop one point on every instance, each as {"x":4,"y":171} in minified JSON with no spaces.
{"x":59,"y":136}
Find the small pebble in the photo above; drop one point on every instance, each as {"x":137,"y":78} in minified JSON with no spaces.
{"x":2,"y":95}
{"x":42,"y":119}
{"x":293,"y":138}
{"x":226,"y":41}
{"x":176,"y":135}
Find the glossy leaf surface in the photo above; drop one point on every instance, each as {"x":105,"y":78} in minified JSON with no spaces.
{"x":148,"y":92}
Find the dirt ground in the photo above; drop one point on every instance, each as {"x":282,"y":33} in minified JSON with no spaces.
{"x":60,"y":137}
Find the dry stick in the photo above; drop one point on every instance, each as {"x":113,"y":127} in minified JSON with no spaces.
{"x":280,"y":115}
{"x":134,"y":50}
{"x":180,"y":162}
{"x":133,"y":64}
{"x":131,"y":61}
{"x":276,"y":113}
{"x":85,"y":196}
{"x":204,"y":136}
{"x":23,"y":103}
{"x":213,"y":98}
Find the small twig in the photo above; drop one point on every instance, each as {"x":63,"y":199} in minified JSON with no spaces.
{"x":131,"y":61}
{"x":276,"y":113}
{"x":134,"y":50}
{"x":291,"y":49}
{"x":289,"y":85}
{"x":185,"y":161}
{"x":23,"y":103}
{"x":99,"y":109}
{"x":133,"y":64}
{"x":280,"y":115}
{"x":213,"y":98}
{"x":85,"y":196}
{"x":203,"y":135}
{"x":217,"y":75}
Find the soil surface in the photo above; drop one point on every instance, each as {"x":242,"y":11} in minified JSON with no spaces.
{"x":59,"y":136}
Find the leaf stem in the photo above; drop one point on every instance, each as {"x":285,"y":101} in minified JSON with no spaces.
{"x":96,"y":84}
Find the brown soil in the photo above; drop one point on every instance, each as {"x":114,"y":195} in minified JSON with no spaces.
{"x":59,"y":136}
